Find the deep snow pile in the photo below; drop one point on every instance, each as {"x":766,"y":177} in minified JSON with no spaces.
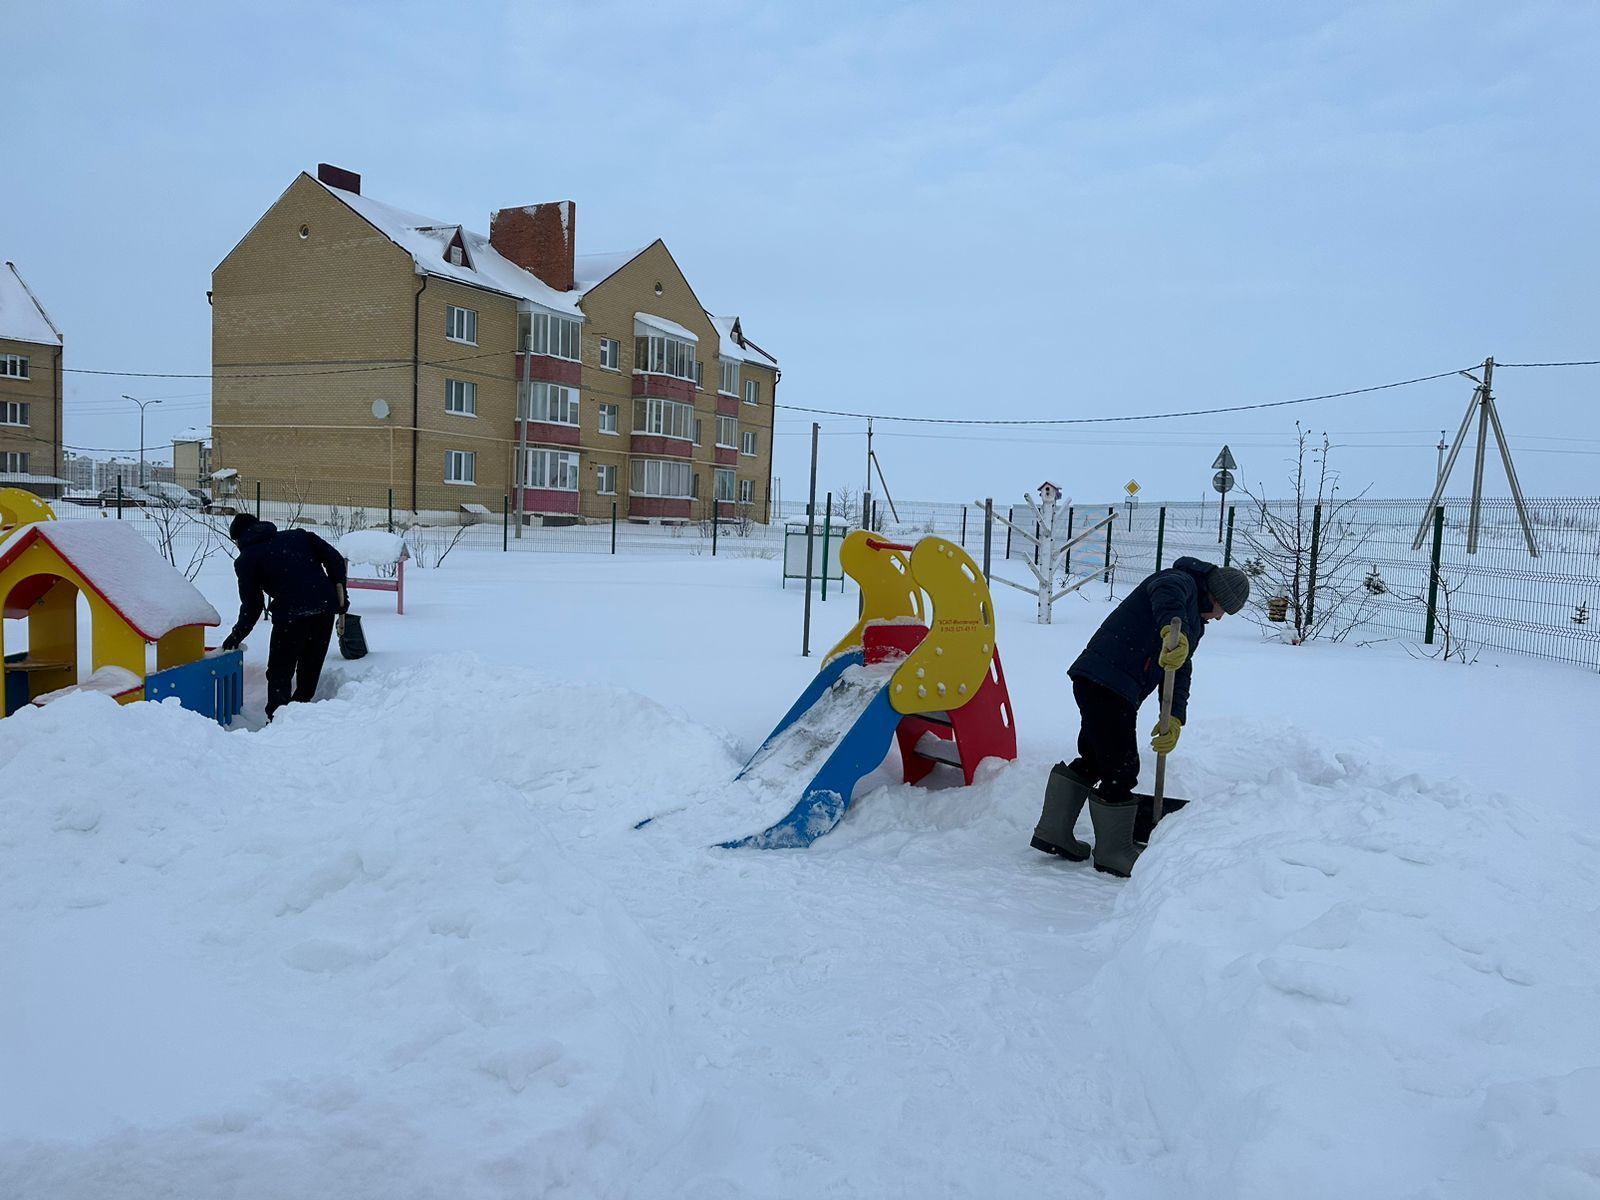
{"x":407,"y":941}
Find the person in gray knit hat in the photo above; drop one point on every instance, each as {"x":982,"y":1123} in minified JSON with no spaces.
{"x":1121,"y":666}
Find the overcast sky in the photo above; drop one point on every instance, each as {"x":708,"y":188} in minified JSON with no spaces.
{"x":1007,"y":211}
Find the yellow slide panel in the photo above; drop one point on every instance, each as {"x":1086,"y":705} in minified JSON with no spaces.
{"x":945,"y":671}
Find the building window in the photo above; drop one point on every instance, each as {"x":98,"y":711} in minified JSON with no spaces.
{"x":606,"y":479}
{"x":12,"y":461}
{"x":669,"y":479}
{"x":727,"y":432}
{"x":752,"y":391}
{"x":552,"y":403}
{"x":747,"y":442}
{"x":694,"y":487}
{"x":555,"y":470}
{"x":730,"y":377}
{"x":460,"y":466}
{"x":724,"y":483}
{"x":546,"y":333}
{"x":699,"y":437}
{"x":13,"y":412}
{"x":668,"y":418}
{"x":14,"y":366}
{"x":699,"y":374}
{"x":659,"y":354}
{"x":461,"y":324}
{"x":609,"y":414}
{"x":611,"y":354}
{"x":461,"y":397}
{"x":747,"y":489}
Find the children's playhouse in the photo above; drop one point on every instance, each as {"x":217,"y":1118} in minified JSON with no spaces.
{"x":139,"y":607}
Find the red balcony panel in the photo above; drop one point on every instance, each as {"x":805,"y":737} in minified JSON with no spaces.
{"x":661,"y":447}
{"x":547,"y":434}
{"x":657,"y":506}
{"x":727,"y":406}
{"x":727,"y":456}
{"x":547,"y":500}
{"x":541,"y":368}
{"x":663,"y":386}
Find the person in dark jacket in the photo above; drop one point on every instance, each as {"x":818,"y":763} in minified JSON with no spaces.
{"x":304,"y":578}
{"x":1123,"y":664}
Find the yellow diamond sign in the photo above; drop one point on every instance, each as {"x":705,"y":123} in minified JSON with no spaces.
{"x":1131,"y":487}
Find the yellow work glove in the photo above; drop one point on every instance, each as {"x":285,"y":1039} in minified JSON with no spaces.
{"x":1174,"y":658}
{"x":1166,"y":743}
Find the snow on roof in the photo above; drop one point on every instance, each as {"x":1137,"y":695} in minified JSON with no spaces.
{"x":662,"y":325}
{"x":732,"y":347}
{"x":428,"y":240}
{"x":22,"y":317}
{"x":127,"y":571}
{"x":195,"y":433}
{"x":11,"y":478}
{"x":588,"y":270}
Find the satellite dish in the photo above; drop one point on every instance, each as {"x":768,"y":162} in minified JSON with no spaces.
{"x":380,"y":409}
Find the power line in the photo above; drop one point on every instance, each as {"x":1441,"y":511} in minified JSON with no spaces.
{"x":1594,"y":362}
{"x":1195,"y":412}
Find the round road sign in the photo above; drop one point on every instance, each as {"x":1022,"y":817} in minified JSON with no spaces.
{"x":1222,"y":481}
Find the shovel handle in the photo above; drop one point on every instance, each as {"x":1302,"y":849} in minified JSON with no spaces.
{"x":1169,"y":641}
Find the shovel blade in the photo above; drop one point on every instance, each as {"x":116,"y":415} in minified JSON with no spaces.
{"x":1144,"y":820}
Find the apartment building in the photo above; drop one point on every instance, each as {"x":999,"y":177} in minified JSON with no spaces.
{"x":362,"y":352}
{"x":30,"y":390}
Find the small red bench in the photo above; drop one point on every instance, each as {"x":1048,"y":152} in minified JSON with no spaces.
{"x":397,"y":585}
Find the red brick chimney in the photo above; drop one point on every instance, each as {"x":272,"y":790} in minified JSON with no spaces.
{"x":338,"y":177}
{"x":538,"y":238}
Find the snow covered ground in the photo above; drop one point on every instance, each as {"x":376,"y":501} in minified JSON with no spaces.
{"x":407,"y":942}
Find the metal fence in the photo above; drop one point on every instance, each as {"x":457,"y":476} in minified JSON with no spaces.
{"x":1371,"y":584}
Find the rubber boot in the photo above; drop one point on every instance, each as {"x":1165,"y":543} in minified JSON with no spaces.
{"x":1064,"y":795}
{"x":1114,"y":851}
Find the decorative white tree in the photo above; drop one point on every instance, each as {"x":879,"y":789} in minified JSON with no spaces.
{"x":1048,"y":546}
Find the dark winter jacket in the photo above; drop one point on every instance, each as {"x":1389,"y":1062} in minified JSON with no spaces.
{"x":296,"y":568}
{"x":1122,"y":653}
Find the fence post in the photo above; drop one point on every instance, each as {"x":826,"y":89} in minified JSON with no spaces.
{"x":258,"y":499}
{"x":613,"y":527}
{"x":1311,"y":575}
{"x":1161,"y":534}
{"x":505,"y":523}
{"x":988,"y":534}
{"x":1433,"y":574}
{"x":1227,"y":550}
{"x":715,"y":505}
{"x":1066,"y":564}
{"x":1110,"y":525}
{"x":391,"y":508}
{"x":1011,"y":515}
{"x":827,"y":527}
{"x":963,"y":526}
{"x":119,"y":497}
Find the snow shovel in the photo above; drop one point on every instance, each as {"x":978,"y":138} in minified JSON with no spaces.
{"x":1153,"y":808}
{"x":352,"y":641}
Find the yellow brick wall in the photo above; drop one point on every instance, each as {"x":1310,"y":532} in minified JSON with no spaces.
{"x":40,"y":439}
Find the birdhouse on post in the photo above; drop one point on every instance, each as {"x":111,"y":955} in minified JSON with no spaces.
{"x":1049,"y":492}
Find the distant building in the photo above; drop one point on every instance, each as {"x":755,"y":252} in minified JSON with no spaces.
{"x":30,"y":390}
{"x":361,"y":351}
{"x":191,"y":458}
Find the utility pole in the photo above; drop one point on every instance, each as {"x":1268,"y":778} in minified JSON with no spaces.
{"x":866,"y":492}
{"x":142,"y":404}
{"x":1439,"y":470}
{"x":1481,"y":404}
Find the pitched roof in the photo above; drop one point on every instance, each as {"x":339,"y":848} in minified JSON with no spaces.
{"x":736,"y":345}
{"x":428,"y":242}
{"x":127,"y":571}
{"x":22,"y":317}
{"x":590,"y":270}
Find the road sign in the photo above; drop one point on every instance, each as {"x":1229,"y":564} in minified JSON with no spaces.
{"x":1225,"y":462}
{"x":1131,"y":487}
{"x":1222,"y":481}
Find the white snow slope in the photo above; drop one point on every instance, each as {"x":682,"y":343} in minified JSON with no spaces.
{"x":405,"y":942}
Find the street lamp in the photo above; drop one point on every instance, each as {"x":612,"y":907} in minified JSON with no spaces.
{"x":141,"y":404}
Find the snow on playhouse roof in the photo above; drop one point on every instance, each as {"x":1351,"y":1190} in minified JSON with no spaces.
{"x":22,"y":317}
{"x":428,"y":242}
{"x":127,"y":572}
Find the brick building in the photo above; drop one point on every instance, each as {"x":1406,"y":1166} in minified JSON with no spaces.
{"x":359,"y":350}
{"x":30,"y":390}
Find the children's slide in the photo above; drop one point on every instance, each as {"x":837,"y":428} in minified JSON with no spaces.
{"x":839,"y":730}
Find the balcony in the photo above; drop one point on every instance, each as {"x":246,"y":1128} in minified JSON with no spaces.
{"x":664,"y":507}
{"x":665,"y":387}
{"x":657,"y":446}
{"x":546,"y":433}
{"x":541,"y":368}
{"x":549,"y":500}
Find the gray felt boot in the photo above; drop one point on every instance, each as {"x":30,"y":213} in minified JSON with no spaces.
{"x":1114,"y":851}
{"x":1064,"y":795}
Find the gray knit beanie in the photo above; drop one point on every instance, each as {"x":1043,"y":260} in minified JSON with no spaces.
{"x":1229,"y":587}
